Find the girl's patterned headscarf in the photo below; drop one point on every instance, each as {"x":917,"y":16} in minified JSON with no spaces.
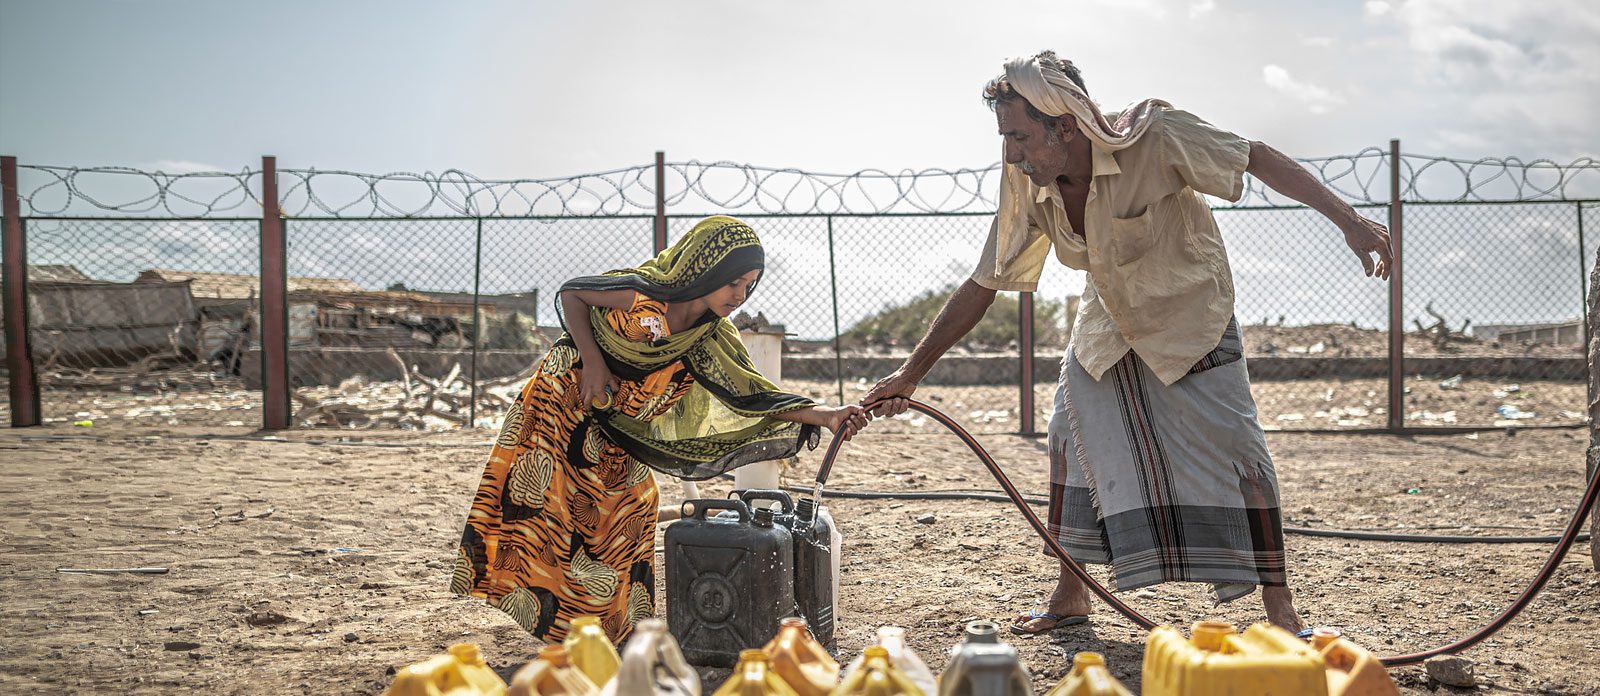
{"x":718,"y":250}
{"x":725,"y":421}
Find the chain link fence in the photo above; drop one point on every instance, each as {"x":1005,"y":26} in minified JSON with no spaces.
{"x":143,"y":320}
{"x":422,"y":301}
{"x":433,"y":324}
{"x":1495,"y":314}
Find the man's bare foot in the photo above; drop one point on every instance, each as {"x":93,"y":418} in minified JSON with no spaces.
{"x":1279,"y":603}
{"x":1069,"y":599}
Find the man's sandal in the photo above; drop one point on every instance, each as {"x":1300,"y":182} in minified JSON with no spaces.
{"x":1056,"y":621}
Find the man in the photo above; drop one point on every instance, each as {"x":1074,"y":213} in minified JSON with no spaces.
{"x":1158,"y":465}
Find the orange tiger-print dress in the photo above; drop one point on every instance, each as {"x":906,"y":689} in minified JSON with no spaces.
{"x":563,"y":524}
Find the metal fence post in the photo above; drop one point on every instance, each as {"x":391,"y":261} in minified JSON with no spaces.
{"x":274,"y":304}
{"x":24,"y":382}
{"x":1397,"y":325}
{"x":833,"y":283}
{"x":477,"y":326}
{"x":1583,"y":274}
{"x":661,"y":202}
{"x":1025,"y":346}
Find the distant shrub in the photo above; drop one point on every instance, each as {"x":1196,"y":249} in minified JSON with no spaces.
{"x":901,"y":326}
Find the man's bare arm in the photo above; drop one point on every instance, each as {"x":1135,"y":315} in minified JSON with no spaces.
{"x":1365,"y":237}
{"x":961,"y":312}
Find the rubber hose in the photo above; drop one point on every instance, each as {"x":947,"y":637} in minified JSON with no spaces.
{"x":1563,"y":545}
{"x":1356,"y":534}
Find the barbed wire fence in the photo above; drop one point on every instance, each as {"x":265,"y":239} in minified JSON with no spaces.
{"x":419,"y":300}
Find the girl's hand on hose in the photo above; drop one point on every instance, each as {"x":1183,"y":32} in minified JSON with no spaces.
{"x":844,"y":420}
{"x":597,"y":387}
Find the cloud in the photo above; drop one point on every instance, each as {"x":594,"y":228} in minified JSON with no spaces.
{"x":1518,"y":70}
{"x":1316,"y":41}
{"x":1201,"y":7}
{"x":184,"y":167}
{"x":1468,"y":41}
{"x":1377,"y":8}
{"x":1316,"y":98}
{"x":1150,"y":8}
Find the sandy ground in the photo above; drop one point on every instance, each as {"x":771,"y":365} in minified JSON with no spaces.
{"x":314,"y":564}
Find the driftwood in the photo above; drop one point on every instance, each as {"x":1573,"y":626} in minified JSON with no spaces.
{"x":1440,"y":331}
{"x":405,"y":374}
{"x":420,"y":397}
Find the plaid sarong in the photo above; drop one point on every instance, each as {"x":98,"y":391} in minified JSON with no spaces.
{"x":1166,"y":483}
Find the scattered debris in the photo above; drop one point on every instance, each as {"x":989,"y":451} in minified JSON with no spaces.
{"x":1511,"y":412}
{"x":239,"y":516}
{"x":265,"y":618}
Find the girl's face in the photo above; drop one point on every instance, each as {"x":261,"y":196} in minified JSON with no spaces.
{"x":726,"y":299}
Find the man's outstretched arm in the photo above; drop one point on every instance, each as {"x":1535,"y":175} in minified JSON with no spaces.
{"x":961,"y":312}
{"x":1365,"y":237}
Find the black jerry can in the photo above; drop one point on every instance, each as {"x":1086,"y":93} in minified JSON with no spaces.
{"x":729,"y":581}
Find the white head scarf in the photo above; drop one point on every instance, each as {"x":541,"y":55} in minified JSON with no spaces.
{"x":1043,"y":81}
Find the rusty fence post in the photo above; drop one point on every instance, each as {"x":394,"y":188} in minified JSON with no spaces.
{"x":1397,"y":324}
{"x":275,"y":409}
{"x":24,"y":381}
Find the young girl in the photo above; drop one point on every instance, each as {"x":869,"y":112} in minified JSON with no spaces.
{"x":650,"y":375}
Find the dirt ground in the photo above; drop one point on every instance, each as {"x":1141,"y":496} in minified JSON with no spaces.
{"x":317,"y":561}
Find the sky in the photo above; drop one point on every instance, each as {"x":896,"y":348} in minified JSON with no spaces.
{"x":546,"y":89}
{"x":539,"y":90}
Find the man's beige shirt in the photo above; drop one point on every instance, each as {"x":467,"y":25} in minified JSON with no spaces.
{"x":1159,"y":281}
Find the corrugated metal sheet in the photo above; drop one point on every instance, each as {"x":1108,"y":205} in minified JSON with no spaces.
{"x":108,"y":324}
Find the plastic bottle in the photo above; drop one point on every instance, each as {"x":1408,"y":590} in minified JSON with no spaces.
{"x":1089,"y":677}
{"x":459,"y":672}
{"x":983,"y":666}
{"x":590,"y":650}
{"x":551,"y":674}
{"x":652,"y":665}
{"x":877,"y":676}
{"x":754,"y":677}
{"x":893,"y":639}
{"x":802,"y":662}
